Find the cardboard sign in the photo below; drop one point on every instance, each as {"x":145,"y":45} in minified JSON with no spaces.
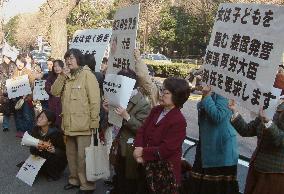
{"x":20,"y":86}
{"x":117,"y":90}
{"x":92,"y":41}
{"x":30,"y":169}
{"x":39,"y":92}
{"x":244,"y":53}
{"x":123,"y":40}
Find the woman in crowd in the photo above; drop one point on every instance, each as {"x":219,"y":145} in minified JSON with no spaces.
{"x":90,"y":61}
{"x":80,"y":98}
{"x":54,"y":103}
{"x":266,"y":171}
{"x":161,"y":136}
{"x":215,"y":166}
{"x":34,"y":67}
{"x":51,"y":145}
{"x":104,"y":66}
{"x":126,"y":178}
{"x":25,"y":114}
{"x":7,"y":69}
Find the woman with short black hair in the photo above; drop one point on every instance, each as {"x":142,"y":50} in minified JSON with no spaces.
{"x":51,"y":145}
{"x":54,"y":103}
{"x":76,"y":54}
{"x":160,"y":138}
{"x":80,"y":98}
{"x":138,"y":108}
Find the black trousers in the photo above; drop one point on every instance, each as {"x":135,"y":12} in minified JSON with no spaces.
{"x":122,"y":185}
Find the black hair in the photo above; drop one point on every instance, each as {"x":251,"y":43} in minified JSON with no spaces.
{"x":90,"y":60}
{"x":22,"y":58}
{"x":51,"y":59}
{"x":179,"y":88}
{"x":77,"y":54}
{"x":129,"y":73}
{"x":60,"y":63}
{"x":50,"y":117}
{"x":105,"y":60}
{"x":28,"y":54}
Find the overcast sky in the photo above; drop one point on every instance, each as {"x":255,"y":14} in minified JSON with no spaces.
{"x":14,"y":7}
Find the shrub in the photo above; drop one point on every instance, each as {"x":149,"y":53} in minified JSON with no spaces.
{"x":170,"y":69}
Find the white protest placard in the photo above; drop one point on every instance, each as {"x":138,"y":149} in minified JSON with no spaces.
{"x":30,"y":169}
{"x":92,"y":41}
{"x":117,"y":90}
{"x":9,"y":51}
{"x":123,"y":40}
{"x":244,"y":53}
{"x":20,"y":86}
{"x":39,"y":92}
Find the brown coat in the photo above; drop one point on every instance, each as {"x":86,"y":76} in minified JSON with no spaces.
{"x":25,"y":71}
{"x":80,"y":98}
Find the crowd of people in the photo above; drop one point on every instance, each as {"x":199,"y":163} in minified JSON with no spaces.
{"x":146,"y":151}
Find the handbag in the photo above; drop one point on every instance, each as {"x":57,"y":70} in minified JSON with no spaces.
{"x":115,"y":152}
{"x":160,"y":177}
{"x":19,"y":104}
{"x":97,"y":164}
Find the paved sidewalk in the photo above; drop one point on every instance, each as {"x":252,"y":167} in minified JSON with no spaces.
{"x":11,"y":153}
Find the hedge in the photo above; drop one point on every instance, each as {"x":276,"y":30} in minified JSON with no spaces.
{"x":170,"y":69}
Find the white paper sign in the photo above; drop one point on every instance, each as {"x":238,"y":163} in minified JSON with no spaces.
{"x":39,"y":92}
{"x":20,"y":86}
{"x":30,"y":169}
{"x":9,"y":51}
{"x":123,"y":40}
{"x":117,"y":90}
{"x":92,"y":41}
{"x":244,"y":53}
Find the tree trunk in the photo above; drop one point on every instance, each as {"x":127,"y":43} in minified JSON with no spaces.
{"x":1,"y":23}
{"x":58,"y":12}
{"x":58,"y":38}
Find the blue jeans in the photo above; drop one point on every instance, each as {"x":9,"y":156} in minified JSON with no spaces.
{"x":6,"y":122}
{"x":44,"y":104}
{"x":25,"y":118}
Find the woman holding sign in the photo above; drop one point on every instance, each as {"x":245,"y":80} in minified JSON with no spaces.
{"x":24,"y":114}
{"x":126,"y":168}
{"x":215,"y":167}
{"x":266,"y":171}
{"x":80,"y":98}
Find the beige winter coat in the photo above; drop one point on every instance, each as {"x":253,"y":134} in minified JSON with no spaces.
{"x":80,"y":97}
{"x":146,"y":84}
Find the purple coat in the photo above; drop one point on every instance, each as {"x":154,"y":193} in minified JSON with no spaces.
{"x":54,"y":103}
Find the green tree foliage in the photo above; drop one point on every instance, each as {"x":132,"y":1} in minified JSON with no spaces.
{"x":10,"y":30}
{"x":181,"y":32}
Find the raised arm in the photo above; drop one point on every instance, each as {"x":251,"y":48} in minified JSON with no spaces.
{"x":245,"y":129}
{"x":58,"y":85}
{"x":144,"y":79}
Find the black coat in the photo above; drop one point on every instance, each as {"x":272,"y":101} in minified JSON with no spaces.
{"x":55,"y":162}
{"x":6,"y":72}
